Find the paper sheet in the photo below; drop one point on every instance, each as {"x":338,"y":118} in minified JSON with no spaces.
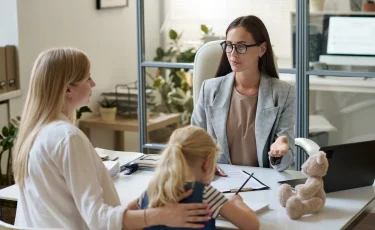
{"x":234,"y":180}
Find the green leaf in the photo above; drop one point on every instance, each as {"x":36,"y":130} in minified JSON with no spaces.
{"x":160,"y":52}
{"x":173,"y":34}
{"x":158,"y":58}
{"x":158,"y":82}
{"x":1,"y":137}
{"x":5,"y":131}
{"x":12,"y":130}
{"x":3,"y":142}
{"x":204,"y":28}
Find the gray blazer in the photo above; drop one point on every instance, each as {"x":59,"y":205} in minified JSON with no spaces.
{"x":275,"y":116}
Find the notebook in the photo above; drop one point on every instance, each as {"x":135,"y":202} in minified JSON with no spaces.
{"x":234,"y":181}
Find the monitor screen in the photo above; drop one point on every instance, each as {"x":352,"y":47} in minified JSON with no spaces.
{"x":351,"y":36}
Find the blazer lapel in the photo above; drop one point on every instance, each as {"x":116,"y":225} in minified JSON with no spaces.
{"x":265,"y":116}
{"x":219,"y":112}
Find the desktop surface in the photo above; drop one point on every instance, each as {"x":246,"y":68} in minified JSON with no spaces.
{"x":341,"y":208}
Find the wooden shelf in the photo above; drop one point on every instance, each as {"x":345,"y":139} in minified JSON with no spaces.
{"x":10,"y":95}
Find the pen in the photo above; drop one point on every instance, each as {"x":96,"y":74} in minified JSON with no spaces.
{"x":115,"y":159}
{"x":244,"y":184}
{"x":246,"y":172}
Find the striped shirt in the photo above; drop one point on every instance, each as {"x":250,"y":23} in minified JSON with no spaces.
{"x":214,"y":198}
{"x":211,"y":196}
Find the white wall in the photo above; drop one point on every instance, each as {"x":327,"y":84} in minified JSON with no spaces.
{"x":8,"y":23}
{"x":107,"y":36}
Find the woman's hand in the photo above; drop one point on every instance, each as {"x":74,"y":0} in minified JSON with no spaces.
{"x":185,"y":215}
{"x":220,"y":172}
{"x":280,"y":147}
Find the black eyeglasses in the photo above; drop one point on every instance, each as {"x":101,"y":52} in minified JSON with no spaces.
{"x":240,"y":47}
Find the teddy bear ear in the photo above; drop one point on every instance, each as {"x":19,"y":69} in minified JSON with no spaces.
{"x":320,"y":157}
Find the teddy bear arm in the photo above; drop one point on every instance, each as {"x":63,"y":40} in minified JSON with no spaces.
{"x":309,"y":189}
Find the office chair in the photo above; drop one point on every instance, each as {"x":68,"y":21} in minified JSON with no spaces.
{"x":206,"y":62}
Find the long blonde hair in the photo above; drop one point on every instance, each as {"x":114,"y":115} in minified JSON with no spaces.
{"x":52,"y":72}
{"x":187,"y":147}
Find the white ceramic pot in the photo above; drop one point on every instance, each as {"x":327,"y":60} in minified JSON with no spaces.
{"x":108,"y":114}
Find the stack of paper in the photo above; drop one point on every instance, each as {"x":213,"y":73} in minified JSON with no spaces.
{"x":123,"y":157}
{"x":113,"y":167}
{"x":234,"y":181}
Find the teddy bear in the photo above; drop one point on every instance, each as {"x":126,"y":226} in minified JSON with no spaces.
{"x":309,"y":197}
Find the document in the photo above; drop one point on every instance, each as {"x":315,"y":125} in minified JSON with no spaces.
{"x":234,"y":180}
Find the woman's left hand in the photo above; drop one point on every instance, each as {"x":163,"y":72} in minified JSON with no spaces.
{"x":280,"y":147}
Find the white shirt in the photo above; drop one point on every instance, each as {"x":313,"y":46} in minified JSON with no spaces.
{"x":67,"y":185}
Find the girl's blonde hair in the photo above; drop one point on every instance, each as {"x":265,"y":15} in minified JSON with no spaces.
{"x":186,"y":148}
{"x":52,"y":72}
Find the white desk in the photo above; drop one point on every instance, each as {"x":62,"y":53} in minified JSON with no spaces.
{"x":342,"y":209}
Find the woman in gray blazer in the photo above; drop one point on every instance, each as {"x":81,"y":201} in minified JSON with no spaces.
{"x":246,"y":108}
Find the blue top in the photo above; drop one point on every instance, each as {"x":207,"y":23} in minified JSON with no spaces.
{"x":195,"y":197}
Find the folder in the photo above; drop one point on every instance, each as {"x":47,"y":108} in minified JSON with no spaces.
{"x":11,"y":68}
{"x":3,"y":73}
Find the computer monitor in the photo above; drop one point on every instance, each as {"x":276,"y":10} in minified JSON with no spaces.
{"x":351,"y":166}
{"x":351,"y":36}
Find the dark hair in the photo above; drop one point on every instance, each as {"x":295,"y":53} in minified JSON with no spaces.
{"x":258,"y":30}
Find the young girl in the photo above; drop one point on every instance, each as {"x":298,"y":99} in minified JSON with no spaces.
{"x":189,"y":162}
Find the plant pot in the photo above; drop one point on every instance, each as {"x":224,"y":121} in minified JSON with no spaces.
{"x":368,"y":7}
{"x":108,"y":114}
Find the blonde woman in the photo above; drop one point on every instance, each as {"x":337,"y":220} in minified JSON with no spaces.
{"x":189,"y":162}
{"x":62,"y":181}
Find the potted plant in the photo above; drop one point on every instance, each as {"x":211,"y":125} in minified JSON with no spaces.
{"x":174,"y":85}
{"x":108,"y":109}
{"x":8,"y":135}
{"x":369,"y":6}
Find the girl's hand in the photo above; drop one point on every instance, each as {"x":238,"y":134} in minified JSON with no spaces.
{"x":234,"y":198}
{"x":220,"y":172}
{"x":280,"y":147}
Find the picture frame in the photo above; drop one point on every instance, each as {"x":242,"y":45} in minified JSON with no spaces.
{"x":105,"y":4}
